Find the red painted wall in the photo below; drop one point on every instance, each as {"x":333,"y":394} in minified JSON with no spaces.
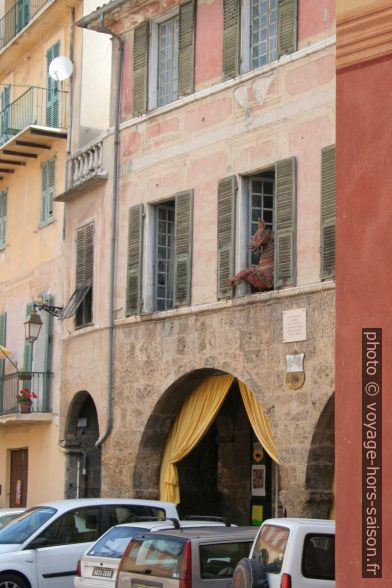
{"x":363,"y":296}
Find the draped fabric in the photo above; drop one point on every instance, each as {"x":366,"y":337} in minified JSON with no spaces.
{"x":259,"y":421}
{"x":193,"y":421}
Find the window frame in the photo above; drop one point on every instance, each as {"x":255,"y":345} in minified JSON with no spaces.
{"x":48,"y":193}
{"x":245,"y":34}
{"x":87,"y":299}
{"x":153,"y":66}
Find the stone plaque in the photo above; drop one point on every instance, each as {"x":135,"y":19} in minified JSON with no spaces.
{"x":294,"y":325}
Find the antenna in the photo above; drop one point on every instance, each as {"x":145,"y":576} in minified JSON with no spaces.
{"x":60,"y":68}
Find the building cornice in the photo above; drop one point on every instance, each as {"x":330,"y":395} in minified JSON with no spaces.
{"x":364,"y":33}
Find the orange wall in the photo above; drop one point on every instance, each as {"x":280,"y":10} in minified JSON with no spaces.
{"x":363,"y":295}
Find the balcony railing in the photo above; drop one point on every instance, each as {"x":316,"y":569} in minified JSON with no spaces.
{"x":87,"y":163}
{"x":36,"y":382}
{"x":36,"y":106}
{"x":17,"y":18}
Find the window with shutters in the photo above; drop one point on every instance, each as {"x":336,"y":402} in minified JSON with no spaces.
{"x":269,"y":196}
{"x":328,"y":212}
{"x":3,"y":217}
{"x":5,"y":96}
{"x":84,"y":274}
{"x":257,"y":32}
{"x":52,"y":89}
{"x":163,"y":58}
{"x":167,"y":261}
{"x":47,"y":192}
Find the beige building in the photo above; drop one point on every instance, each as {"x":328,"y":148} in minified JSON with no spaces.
{"x":35,"y":122}
{"x":212,"y":129}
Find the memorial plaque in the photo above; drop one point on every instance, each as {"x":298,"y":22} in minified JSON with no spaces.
{"x":294,"y":325}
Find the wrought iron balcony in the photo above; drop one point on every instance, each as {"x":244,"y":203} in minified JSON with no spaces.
{"x":18,"y":18}
{"x":38,"y":384}
{"x":44,"y":107}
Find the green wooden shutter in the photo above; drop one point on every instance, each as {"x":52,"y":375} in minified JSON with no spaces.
{"x":3,"y":338}
{"x":140,"y":68}
{"x":47,"y":195}
{"x":287,"y":27}
{"x":28,"y":347}
{"x":231,"y":37}
{"x":52,"y":89}
{"x":23,"y":14}
{"x":134,"y":262}
{"x":5,"y":114}
{"x":3,"y":217}
{"x":183,"y":248}
{"x":227,"y":188}
{"x":85,"y":256}
{"x":187,"y":48}
{"x":285,"y":223}
{"x":328,"y":212}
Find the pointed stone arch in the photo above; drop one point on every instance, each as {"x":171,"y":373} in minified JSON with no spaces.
{"x":321,"y":464}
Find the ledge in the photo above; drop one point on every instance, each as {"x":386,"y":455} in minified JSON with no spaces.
{"x":30,"y":418}
{"x":90,"y":182}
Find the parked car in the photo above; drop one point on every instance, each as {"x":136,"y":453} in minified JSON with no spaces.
{"x":186,"y":558}
{"x":7,"y":514}
{"x":296,"y":553}
{"x":54,"y":535}
{"x":98,"y":566}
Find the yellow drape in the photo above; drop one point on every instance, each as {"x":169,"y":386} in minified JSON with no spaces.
{"x":5,"y":351}
{"x":258,"y":420}
{"x":194,"y":419}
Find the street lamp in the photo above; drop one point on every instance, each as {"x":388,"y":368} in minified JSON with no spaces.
{"x":33,"y":326}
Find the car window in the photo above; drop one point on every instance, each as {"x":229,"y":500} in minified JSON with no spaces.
{"x":77,"y":526}
{"x":154,"y":557}
{"x":218,"y":560}
{"x":114,"y":542}
{"x":125,"y":513}
{"x":27,"y":523}
{"x":270,"y":547}
{"x":318,"y":559}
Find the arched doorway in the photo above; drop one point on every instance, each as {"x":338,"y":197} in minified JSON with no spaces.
{"x":83,"y":464}
{"x":321,"y":464}
{"x":215,"y":478}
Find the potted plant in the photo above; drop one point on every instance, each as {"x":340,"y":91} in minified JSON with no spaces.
{"x":25,"y":399}
{"x":24,"y":375}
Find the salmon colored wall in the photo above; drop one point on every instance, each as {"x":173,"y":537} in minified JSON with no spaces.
{"x":209,"y":43}
{"x":315,"y":18}
{"x":363,"y":295}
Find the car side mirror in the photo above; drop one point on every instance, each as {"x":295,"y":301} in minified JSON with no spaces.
{"x":38,"y":542}
{"x":249,"y":573}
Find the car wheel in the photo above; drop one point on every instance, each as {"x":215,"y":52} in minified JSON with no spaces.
{"x":12,"y":581}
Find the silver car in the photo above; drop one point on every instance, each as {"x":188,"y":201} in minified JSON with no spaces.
{"x":185,"y":558}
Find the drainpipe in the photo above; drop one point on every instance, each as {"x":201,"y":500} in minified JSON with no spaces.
{"x":109,"y":421}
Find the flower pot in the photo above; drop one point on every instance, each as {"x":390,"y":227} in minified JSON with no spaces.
{"x":24,"y":376}
{"x":25,"y":406}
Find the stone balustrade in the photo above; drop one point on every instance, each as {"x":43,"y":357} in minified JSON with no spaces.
{"x":87,"y":163}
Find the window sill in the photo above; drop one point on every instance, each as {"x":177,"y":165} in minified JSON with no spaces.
{"x":43,"y":225}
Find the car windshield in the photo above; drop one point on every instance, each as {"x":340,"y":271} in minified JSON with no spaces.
{"x":27,"y":523}
{"x":114,"y":542}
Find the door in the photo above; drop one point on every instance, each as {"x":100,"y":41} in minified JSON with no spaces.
{"x":23,"y":14}
{"x":52,"y":90}
{"x":18,"y":486}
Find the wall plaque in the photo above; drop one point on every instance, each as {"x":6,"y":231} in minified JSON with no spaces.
{"x":294,"y":325}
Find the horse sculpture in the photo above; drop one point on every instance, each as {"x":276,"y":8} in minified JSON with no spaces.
{"x":260,"y":276}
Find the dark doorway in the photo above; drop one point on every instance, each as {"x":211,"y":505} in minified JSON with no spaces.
{"x":83,"y":470}
{"x":18,"y":484}
{"x":215,"y":476}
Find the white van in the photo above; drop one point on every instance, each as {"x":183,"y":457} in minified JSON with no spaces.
{"x":296,"y":553}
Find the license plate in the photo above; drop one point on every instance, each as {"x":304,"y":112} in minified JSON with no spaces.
{"x":103,"y":572}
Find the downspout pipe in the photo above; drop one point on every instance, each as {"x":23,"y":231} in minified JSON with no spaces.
{"x":109,"y":421}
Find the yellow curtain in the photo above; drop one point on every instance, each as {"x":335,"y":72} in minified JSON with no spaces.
{"x":194,"y":419}
{"x":258,"y":420}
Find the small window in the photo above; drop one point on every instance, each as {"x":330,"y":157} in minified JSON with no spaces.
{"x":168,"y":61}
{"x":318,"y":560}
{"x":3,"y":217}
{"x":261,"y":206}
{"x":165,"y":255}
{"x":270,"y":547}
{"x":133,"y":513}
{"x":263,"y":32}
{"x":218,"y":560}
